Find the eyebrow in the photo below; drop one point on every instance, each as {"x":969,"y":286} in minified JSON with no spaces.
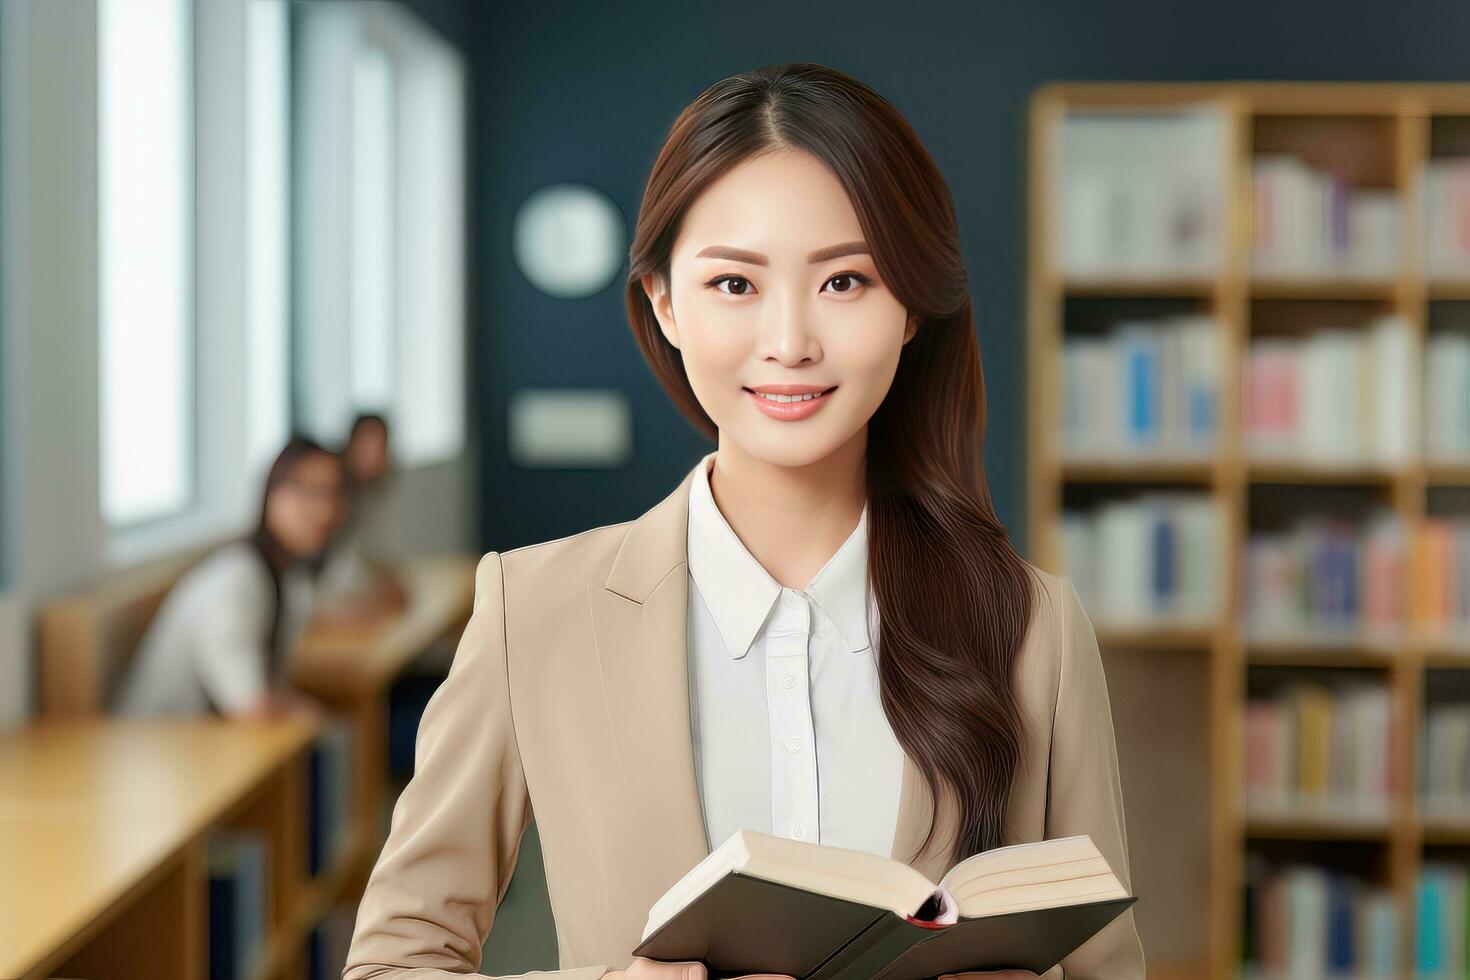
{"x":756,"y":258}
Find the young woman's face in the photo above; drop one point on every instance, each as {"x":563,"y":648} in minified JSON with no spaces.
{"x":772,"y":285}
{"x":307,"y":506}
{"x":367,"y":452}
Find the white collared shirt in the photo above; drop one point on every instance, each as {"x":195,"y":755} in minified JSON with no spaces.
{"x":789,"y":734}
{"x":207,"y":647}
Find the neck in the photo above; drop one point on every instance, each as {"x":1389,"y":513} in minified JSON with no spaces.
{"x":791,"y":518}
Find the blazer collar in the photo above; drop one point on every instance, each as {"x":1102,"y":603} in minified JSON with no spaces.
{"x":640,"y":629}
{"x":740,"y":592}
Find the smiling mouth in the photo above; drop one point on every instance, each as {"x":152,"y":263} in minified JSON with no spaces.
{"x":804,"y":397}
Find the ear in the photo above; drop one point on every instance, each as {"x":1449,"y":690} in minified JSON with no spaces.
{"x":662,"y":301}
{"x":910,"y":328}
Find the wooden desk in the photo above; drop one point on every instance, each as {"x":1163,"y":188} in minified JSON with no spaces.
{"x":102,"y":840}
{"x":352,"y":668}
{"x":348,"y":660}
{"x":103,"y":819}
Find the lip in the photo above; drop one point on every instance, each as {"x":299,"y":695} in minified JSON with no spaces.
{"x":791,"y":411}
{"x":791,"y":389}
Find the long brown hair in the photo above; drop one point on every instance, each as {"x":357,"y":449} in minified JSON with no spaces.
{"x":954,"y":597}
{"x":271,"y":551}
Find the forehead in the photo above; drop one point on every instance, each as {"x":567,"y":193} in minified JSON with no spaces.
{"x":785,"y":204}
{"x":368,"y":430}
{"x":318,"y":466}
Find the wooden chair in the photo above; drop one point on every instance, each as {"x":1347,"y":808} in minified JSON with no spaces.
{"x":87,"y":639}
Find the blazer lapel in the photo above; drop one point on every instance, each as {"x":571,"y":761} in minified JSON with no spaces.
{"x":639,"y":617}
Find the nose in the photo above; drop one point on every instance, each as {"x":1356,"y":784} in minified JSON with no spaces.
{"x":786,"y":334}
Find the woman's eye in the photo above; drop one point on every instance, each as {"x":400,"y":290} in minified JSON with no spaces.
{"x":743,"y":283}
{"x":849,"y":280}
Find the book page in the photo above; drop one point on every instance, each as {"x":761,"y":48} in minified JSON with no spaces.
{"x":1038,"y":874}
{"x":857,"y":876}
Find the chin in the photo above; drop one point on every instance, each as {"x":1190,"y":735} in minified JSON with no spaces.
{"x":783,"y":444}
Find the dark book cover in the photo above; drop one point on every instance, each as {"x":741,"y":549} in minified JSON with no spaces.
{"x":743,"y":924}
{"x":316,"y":811}
{"x":222,"y":938}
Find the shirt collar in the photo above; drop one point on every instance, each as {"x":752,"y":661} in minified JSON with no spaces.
{"x":740,"y":592}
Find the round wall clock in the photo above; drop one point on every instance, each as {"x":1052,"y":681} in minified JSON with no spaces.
{"x":569,"y":240}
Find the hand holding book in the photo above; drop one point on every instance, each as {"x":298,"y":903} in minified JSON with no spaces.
{"x":646,"y":969}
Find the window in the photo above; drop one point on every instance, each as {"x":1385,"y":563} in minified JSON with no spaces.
{"x":145,"y":262}
{"x":268,"y":409}
{"x":429,"y":412}
{"x":373,"y":260}
{"x":380,"y":273}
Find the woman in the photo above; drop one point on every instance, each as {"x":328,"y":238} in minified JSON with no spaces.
{"x":830,"y":585}
{"x":350,"y":584}
{"x":221,"y":638}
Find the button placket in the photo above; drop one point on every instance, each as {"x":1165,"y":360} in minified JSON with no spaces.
{"x":794,"y":795}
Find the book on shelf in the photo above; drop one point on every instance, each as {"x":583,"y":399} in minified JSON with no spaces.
{"x":1446,"y":209}
{"x":1331,"y":577}
{"x":1336,"y":396}
{"x":329,"y":796}
{"x":1441,"y":555}
{"x":1307,"y":921}
{"x":1446,"y":409}
{"x":1141,"y":193}
{"x":1308,"y":222}
{"x":1145,"y":387}
{"x":1440,"y":909}
{"x":1444,"y":778}
{"x":236,"y":863}
{"x":1320,"y":752}
{"x":1149,"y":560}
{"x":765,"y":904}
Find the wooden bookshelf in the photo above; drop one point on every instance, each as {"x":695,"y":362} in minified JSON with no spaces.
{"x":1384,"y":134}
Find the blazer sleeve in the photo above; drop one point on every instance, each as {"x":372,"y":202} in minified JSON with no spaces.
{"x":457,"y":826}
{"x":1085,"y":793}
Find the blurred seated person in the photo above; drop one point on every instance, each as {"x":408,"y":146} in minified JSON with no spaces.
{"x":351,"y":586}
{"x":222,"y":637}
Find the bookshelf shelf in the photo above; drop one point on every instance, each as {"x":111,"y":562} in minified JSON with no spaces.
{"x":1162,"y":637}
{"x":1305,"y":656}
{"x":1446,"y":832}
{"x":1448,"y":474}
{"x":1375,"y":146}
{"x":1138,"y":470}
{"x":1446,"y":289}
{"x":1140,"y":286}
{"x":1318,"y":828}
{"x":1278,"y":287}
{"x":1344,"y":474}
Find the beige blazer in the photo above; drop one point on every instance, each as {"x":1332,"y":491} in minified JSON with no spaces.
{"x":568,"y":696}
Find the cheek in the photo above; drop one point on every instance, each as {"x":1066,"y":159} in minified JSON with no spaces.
{"x":715,"y":345}
{"x":866,"y":354}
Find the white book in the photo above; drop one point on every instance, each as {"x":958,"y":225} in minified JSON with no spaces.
{"x":1122,"y":538}
{"x":1394,"y":354}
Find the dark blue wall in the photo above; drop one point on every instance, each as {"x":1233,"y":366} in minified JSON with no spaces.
{"x":586,"y":92}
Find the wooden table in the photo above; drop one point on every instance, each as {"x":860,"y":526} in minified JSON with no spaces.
{"x":102,"y":838}
{"x":352,"y":668}
{"x":103,"y":820}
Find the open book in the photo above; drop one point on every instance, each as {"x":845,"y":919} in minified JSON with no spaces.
{"x":764,"y":904}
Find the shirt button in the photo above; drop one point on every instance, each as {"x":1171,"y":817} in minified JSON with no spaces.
{"x":789,"y":681}
{"x":793,"y":743}
{"x":797,"y":830}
